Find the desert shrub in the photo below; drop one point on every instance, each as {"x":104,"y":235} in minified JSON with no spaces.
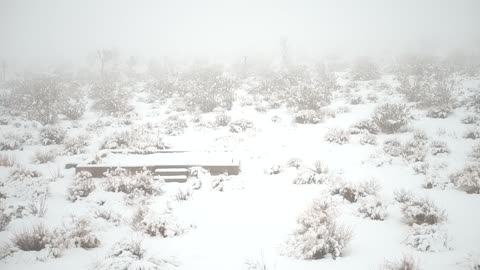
{"x":439,"y":147}
{"x":41,"y":99}
{"x":82,"y":186}
{"x":174,"y":127}
{"x":141,"y":139}
{"x":415,"y":150}
{"x":240,"y":125}
{"x":52,"y":135}
{"x":336,"y":135}
{"x":183,"y":194}
{"x":439,"y":112}
{"x":75,"y":145}
{"x":354,"y":191}
{"x":368,"y":138}
{"x":427,"y":237}
{"x":219,"y":182}
{"x":422,"y":211}
{"x":475,"y":154}
{"x":475,"y":103}
{"x":7,"y":160}
{"x":141,"y":183}
{"x":420,"y":167}
{"x":310,"y":177}
{"x":130,"y":254}
{"x":110,"y":98}
{"x":77,"y":233}
{"x":432,"y":181}
{"x":402,"y":196}
{"x":20,"y":173}
{"x":366,"y":125}
{"x":42,"y":156}
{"x":318,"y":233}
{"x":108,"y":215}
{"x":307,"y":117}
{"x":373,"y":207}
{"x":274,"y":169}
{"x":5,"y":217}
{"x":74,"y":104}
{"x":356,"y":99}
{"x":32,"y":239}
{"x":164,"y":88}
{"x":308,"y":95}
{"x":392,"y":147}
{"x":404,"y":263}
{"x":391,"y":117}
{"x":14,"y":141}
{"x":38,"y":205}
{"x":294,"y":162}
{"x":468,"y":179}
{"x":469,"y":119}
{"x":365,"y":70}
{"x":472,"y":134}
{"x":207,"y":88}
{"x":156,"y":223}
{"x":222,"y":119}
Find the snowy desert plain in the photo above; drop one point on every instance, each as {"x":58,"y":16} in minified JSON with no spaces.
{"x":344,"y":164}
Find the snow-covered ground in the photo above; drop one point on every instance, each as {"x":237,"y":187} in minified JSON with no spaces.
{"x":231,"y":222}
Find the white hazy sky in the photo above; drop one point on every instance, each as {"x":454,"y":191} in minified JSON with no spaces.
{"x":35,"y":31}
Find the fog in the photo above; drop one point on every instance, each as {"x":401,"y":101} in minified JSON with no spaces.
{"x":51,"y":32}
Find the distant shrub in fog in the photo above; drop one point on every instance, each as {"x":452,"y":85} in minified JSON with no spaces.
{"x":365,"y":70}
{"x":110,"y":97}
{"x":337,"y":135}
{"x":391,"y":117}
{"x":222,"y":119}
{"x":240,"y":125}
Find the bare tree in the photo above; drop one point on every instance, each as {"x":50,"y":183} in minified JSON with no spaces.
{"x":104,"y":57}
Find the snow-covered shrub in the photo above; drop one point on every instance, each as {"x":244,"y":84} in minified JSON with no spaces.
{"x":422,"y":211}
{"x":356,"y":99}
{"x":469,"y":119}
{"x":32,"y":239}
{"x":139,"y":184}
{"x":337,"y":135}
{"x":426,"y":237}
{"x":473,"y":133}
{"x":354,"y":191}
{"x":373,"y":207}
{"x":74,"y":105}
{"x":307,"y":117}
{"x":75,"y":145}
{"x":158,"y":223}
{"x":14,"y":141}
{"x":129,"y":254}
{"x":174,"y":127}
{"x":318,"y":233}
{"x":404,"y":263}
{"x":240,"y":125}
{"x":206,"y":89}
{"x":471,"y":261}
{"x":366,"y":125}
{"x":420,"y":167}
{"x":468,"y":179}
{"x":82,"y":186}
{"x":52,"y":134}
{"x":368,"y":138}
{"x":110,"y":98}
{"x":7,"y":160}
{"x":415,"y":150}
{"x":274,"y":169}
{"x":222,"y":119}
{"x":306,"y":94}
{"x":218,"y":182}
{"x":365,"y":70}
{"x":77,"y":233}
{"x":44,"y":155}
{"x":140,"y":139}
{"x":439,"y":112}
{"x":20,"y":173}
{"x":183,"y":194}
{"x":372,"y":97}
{"x":5,"y":217}
{"x":392,"y":147}
{"x":439,"y":147}
{"x":475,"y":153}
{"x":403,"y":196}
{"x":41,"y":99}
{"x":310,"y":177}
{"x":108,"y":215}
{"x":294,"y":162}
{"x":391,"y":117}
